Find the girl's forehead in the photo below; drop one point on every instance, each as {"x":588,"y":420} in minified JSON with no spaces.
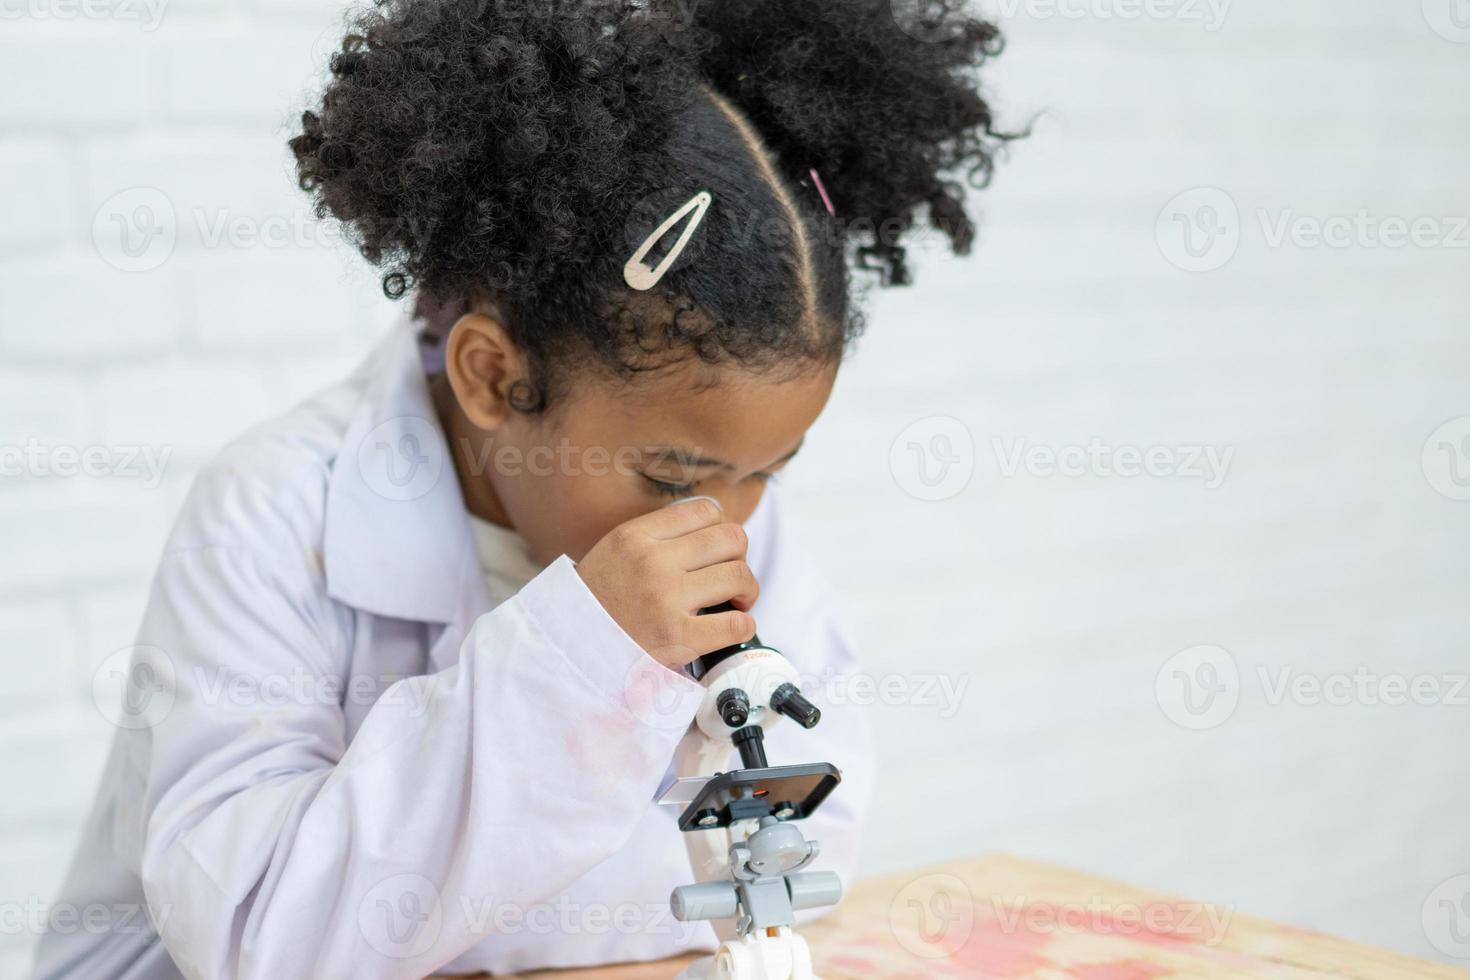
{"x":737,"y":417}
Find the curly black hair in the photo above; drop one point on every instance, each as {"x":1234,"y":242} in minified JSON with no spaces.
{"x":516,"y":152}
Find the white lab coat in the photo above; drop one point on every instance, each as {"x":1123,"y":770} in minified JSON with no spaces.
{"x":345,"y":759}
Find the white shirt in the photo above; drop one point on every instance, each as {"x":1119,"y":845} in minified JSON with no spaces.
{"x":346,"y":751}
{"x":505,"y":559}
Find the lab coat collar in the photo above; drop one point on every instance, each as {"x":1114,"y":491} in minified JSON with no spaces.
{"x":397,"y":539}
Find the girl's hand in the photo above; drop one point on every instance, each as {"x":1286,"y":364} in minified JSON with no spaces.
{"x":654,"y":573}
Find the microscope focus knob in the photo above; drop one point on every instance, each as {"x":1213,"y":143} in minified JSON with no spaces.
{"x":734,"y":707}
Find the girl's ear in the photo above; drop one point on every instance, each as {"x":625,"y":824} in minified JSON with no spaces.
{"x":482,"y":362}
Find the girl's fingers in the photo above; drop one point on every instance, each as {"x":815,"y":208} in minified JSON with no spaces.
{"x":729,"y":581}
{"x":718,"y":630}
{"x":712,"y":545}
{"x":679,"y":518}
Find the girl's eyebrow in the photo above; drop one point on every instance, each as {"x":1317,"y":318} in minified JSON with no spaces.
{"x":693,"y":459}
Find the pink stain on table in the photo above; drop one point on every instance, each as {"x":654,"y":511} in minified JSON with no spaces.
{"x":994,"y":951}
{"x":857,"y":964}
{"x":1121,"y":970}
{"x":1019,"y":940}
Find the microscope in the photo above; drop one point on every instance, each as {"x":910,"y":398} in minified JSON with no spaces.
{"x":746,"y":852}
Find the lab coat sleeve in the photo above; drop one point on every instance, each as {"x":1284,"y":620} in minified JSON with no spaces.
{"x":273,"y":848}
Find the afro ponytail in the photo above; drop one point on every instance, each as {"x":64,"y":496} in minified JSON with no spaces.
{"x":510,"y":150}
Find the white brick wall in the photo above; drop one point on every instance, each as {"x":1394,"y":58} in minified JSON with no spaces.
{"x":1057,"y":599}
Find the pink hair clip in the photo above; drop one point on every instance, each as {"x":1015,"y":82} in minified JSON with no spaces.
{"x":822,"y":189}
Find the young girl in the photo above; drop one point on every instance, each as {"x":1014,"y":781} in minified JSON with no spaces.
{"x":408,"y":681}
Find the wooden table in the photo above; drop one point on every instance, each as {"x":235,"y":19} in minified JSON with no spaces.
{"x":1003,"y":917}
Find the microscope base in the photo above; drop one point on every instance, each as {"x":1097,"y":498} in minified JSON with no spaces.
{"x":756,"y":956}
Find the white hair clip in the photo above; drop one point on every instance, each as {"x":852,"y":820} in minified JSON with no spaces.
{"x":637,"y":273}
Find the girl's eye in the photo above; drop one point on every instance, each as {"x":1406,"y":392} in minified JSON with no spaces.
{"x":666,"y":489}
